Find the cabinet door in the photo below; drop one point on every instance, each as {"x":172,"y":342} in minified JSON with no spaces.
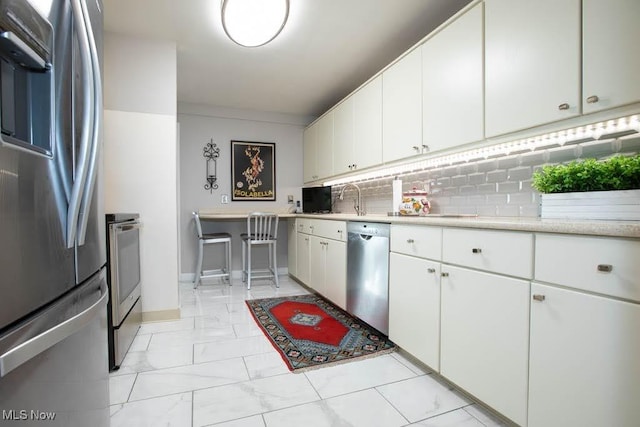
{"x":402,"y":108}
{"x":310,"y":142}
{"x":303,"y":246}
{"x":584,"y":368}
{"x":367,"y":124}
{"x":414,"y":307}
{"x":335,"y":268}
{"x":485,"y":338}
{"x":532,"y":63}
{"x":324,"y":150}
{"x":452,"y":83}
{"x":343,"y":159}
{"x":292,"y":246}
{"x":317,"y":257}
{"x":611,"y":63}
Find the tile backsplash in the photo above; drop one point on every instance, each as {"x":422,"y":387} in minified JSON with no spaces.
{"x":494,"y":187}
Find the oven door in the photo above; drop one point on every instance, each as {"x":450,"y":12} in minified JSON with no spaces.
{"x":124,"y":250}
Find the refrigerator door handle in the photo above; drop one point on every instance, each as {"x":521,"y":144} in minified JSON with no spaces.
{"x":26,"y":351}
{"x":80,"y":178}
{"x":95,"y":131}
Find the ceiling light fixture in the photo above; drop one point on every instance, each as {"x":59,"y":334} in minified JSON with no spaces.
{"x":253,"y":23}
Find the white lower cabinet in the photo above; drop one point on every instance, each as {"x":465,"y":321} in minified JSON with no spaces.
{"x":322,"y":258}
{"x":328,"y":269}
{"x":414,"y":307}
{"x":292,"y":246}
{"x":584,"y":360}
{"x":485,"y":337}
{"x":335,"y":269}
{"x":303,"y":261}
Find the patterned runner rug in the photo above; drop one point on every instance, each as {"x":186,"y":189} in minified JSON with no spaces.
{"x":310,"y":332}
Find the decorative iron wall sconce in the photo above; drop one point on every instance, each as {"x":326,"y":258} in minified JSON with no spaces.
{"x":211,"y":152}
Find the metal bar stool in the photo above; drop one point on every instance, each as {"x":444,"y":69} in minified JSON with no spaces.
{"x":211,"y":239}
{"x":262,"y":230}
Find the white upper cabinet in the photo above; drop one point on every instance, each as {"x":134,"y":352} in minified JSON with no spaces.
{"x":452,"y":83}
{"x":357,"y":129}
{"x":402,"y":108}
{"x":310,"y":143}
{"x":532,"y":54}
{"x":611,"y":62}
{"x":367,"y":124}
{"x":343,"y":143}
{"x":318,"y":149}
{"x":324,"y":148}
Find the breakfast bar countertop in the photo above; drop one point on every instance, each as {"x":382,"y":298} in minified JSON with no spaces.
{"x":629,"y":229}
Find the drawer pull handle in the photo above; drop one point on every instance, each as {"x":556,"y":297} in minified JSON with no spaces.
{"x":563,"y":107}
{"x":607,"y":268}
{"x":539,"y":298}
{"x":410,"y":241}
{"x":476,"y":250}
{"x":593,"y":99}
{"x":445,"y":274}
{"x":431,"y":270}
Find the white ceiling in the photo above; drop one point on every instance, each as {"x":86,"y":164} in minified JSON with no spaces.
{"x":327,"y":49}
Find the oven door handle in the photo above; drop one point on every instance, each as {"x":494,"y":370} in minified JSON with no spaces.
{"x":122,"y":228}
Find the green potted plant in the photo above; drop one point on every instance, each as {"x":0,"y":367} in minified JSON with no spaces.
{"x":591,"y":189}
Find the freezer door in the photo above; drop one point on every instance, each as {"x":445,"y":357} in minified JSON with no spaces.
{"x":54,"y":367}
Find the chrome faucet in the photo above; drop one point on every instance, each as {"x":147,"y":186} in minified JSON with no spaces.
{"x":358,"y":205}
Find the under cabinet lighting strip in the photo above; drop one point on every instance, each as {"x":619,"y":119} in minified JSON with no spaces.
{"x":592,"y":131}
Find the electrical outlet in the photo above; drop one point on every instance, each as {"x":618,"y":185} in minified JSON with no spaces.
{"x":224,"y":198}
{"x":290,"y":199}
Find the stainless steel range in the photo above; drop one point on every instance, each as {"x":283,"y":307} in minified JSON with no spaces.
{"x":123,"y":277}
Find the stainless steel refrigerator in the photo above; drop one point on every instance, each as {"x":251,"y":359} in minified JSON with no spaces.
{"x":53,"y":293}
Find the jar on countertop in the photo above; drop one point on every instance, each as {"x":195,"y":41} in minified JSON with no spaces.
{"x":415,"y":202}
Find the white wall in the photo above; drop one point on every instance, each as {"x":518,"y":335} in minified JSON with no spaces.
{"x":198,"y":125}
{"x":141,"y":158}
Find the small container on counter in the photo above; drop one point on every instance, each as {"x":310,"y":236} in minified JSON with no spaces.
{"x":415,"y":202}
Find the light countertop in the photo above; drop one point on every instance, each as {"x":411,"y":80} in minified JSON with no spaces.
{"x":596,"y":228}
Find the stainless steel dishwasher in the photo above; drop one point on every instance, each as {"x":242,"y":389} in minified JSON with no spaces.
{"x":368,"y":273}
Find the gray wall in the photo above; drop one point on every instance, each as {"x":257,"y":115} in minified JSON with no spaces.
{"x":198,"y":125}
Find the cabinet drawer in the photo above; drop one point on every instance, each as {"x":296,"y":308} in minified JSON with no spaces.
{"x":608,"y":266}
{"x":504,"y":252}
{"x":336,"y":230}
{"x":304,"y":225}
{"x":416,"y":240}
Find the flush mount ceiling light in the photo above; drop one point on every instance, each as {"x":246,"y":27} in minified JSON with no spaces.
{"x":253,"y":23}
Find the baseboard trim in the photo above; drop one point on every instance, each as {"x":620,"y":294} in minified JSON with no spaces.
{"x":161,"y":315}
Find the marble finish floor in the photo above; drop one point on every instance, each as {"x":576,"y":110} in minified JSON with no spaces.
{"x":214,"y":367}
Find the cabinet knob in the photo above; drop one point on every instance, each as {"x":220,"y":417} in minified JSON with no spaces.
{"x":476,"y":250}
{"x":416,"y":148}
{"x":355,"y":166}
{"x":431,"y":270}
{"x":425,"y":148}
{"x":410,"y":241}
{"x":537,"y":297}
{"x":564,"y":106}
{"x":445,"y":274}
{"x":606,"y":268}
{"x":593,"y":99}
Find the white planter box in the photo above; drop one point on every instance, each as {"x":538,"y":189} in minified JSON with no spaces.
{"x":603,"y":205}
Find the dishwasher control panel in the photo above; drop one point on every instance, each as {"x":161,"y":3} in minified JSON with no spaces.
{"x":369,"y":228}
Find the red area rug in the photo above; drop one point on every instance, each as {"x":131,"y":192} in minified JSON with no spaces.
{"x":308,"y":331}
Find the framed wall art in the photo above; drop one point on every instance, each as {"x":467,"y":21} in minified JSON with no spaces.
{"x":253,"y":171}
